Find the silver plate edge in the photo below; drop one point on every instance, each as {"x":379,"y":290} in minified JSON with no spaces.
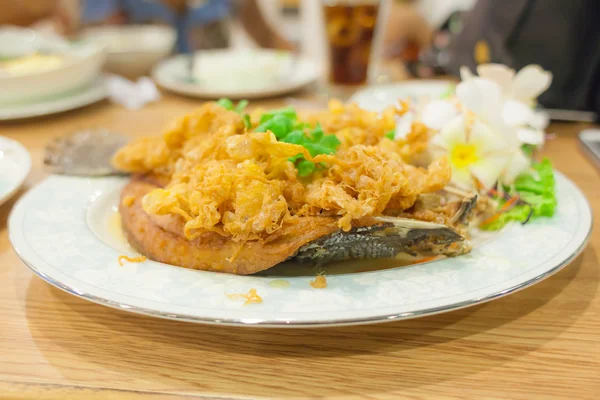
{"x":92,"y":95}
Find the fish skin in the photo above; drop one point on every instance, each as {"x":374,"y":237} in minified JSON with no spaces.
{"x":378,"y":241}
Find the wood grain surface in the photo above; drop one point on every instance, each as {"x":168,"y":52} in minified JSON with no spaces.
{"x":540,"y":343}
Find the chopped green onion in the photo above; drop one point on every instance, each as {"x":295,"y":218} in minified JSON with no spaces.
{"x":284,"y":125}
{"x":305,"y":167}
{"x":241,"y":106}
{"x":294,"y":137}
{"x":278,"y":124}
{"x":246,"y":119}
{"x":225,"y":103}
{"x":287,"y":112}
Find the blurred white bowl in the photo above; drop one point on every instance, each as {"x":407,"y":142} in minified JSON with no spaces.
{"x":82,"y":64}
{"x":133,"y":49}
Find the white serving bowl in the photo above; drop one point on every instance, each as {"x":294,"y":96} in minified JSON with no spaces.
{"x":83,"y":62}
{"x":132,"y":50}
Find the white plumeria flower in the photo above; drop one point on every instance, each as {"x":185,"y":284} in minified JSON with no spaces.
{"x":405,"y":120}
{"x":530,"y":124}
{"x":520,"y":91}
{"x":434,"y":115}
{"x":438,"y":113}
{"x":404,"y":125}
{"x":473,"y":149}
{"x":517,"y":164}
{"x":478,"y":142}
{"x":483,"y":97}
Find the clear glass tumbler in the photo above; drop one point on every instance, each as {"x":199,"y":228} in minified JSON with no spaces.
{"x":350,"y":30}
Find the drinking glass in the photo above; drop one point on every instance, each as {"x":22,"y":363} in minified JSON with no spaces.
{"x":350,"y":31}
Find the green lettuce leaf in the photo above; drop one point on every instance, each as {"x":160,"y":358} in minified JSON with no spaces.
{"x":537,"y":189}
{"x":518,"y":213}
{"x":543,"y":183}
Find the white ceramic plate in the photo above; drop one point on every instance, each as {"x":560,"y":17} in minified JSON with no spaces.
{"x":64,"y":230}
{"x":15,"y":165}
{"x":377,"y":98}
{"x":78,"y":98}
{"x":82,"y":64}
{"x":237,"y":75}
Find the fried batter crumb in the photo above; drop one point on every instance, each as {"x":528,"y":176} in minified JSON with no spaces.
{"x":138,"y":259}
{"x":242,"y":185}
{"x":251,"y":297}
{"x":320,"y":282}
{"x":128,"y":201}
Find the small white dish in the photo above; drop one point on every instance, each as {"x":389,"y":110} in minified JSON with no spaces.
{"x":377,"y":98}
{"x":82,"y":63}
{"x":236,"y":74}
{"x":81,"y":257}
{"x":15,"y":165}
{"x":90,"y":94}
{"x":132,"y":50}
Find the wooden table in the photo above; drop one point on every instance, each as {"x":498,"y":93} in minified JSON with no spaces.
{"x":543,"y":342}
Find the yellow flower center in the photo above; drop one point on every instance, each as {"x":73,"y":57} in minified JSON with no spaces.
{"x":464,"y":155}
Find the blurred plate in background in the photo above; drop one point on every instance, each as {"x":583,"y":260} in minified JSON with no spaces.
{"x":377,"y":98}
{"x":76,"y":98}
{"x":236,"y":74}
{"x":132,"y":50}
{"x":35,"y":66}
{"x":15,"y":165}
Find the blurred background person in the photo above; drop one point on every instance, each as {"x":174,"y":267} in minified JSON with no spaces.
{"x":424,"y":38}
{"x":419,"y":33}
{"x":200,"y":24}
{"x":561,"y":36}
